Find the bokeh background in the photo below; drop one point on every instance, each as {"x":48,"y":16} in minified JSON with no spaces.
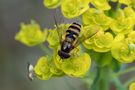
{"x":14,"y":55}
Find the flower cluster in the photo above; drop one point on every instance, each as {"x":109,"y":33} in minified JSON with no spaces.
{"x":53,"y":66}
{"x":107,"y":35}
{"x":74,"y":8}
{"x":69,"y":8}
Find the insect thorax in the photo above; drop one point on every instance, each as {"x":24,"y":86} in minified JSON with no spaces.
{"x":66,"y":46}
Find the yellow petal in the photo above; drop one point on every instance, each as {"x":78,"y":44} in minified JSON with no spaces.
{"x":52,"y":3}
{"x":132,"y":86}
{"x":77,"y":66}
{"x":127,"y":2}
{"x":101,"y":4}
{"x":42,"y":69}
{"x":74,"y":8}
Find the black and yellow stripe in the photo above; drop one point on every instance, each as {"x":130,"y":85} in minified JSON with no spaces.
{"x":70,"y":41}
{"x":73,"y":31}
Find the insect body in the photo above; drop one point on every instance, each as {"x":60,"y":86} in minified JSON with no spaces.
{"x":70,"y":41}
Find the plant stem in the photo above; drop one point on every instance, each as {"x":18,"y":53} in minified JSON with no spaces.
{"x":129,"y":82}
{"x":117,"y":83}
{"x":101,"y":81}
{"x":45,"y":49}
{"x":96,"y":80}
{"x":125,"y":71}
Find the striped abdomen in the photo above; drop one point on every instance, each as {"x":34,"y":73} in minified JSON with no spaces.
{"x":73,"y":32}
{"x":71,"y":39}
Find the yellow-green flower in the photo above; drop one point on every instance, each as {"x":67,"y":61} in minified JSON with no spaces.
{"x":131,"y":37}
{"x":124,"y":22}
{"x":42,"y":69}
{"x":132,"y":86}
{"x":131,"y":42}
{"x":120,"y":50}
{"x":69,"y":8}
{"x":52,"y":3}
{"x":129,"y":13}
{"x":133,"y":4}
{"x":122,"y":26}
{"x":101,"y":4}
{"x":96,"y":17}
{"x":127,"y":2}
{"x":74,"y":8}
{"x":54,"y":35}
{"x":53,"y":39}
{"x":75,"y":66}
{"x":101,"y":42}
{"x":56,"y":72}
{"x":31,"y":35}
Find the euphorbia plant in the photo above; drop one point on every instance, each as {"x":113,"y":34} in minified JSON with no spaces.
{"x":111,"y":47}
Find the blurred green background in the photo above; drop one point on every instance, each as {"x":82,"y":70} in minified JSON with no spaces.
{"x":14,"y":55}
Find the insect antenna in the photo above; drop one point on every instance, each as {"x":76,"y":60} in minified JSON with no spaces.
{"x":58,"y":19}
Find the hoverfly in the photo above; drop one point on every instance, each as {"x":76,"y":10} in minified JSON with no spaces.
{"x":71,"y":39}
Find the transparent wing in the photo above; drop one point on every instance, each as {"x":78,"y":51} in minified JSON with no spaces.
{"x":86,"y":35}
